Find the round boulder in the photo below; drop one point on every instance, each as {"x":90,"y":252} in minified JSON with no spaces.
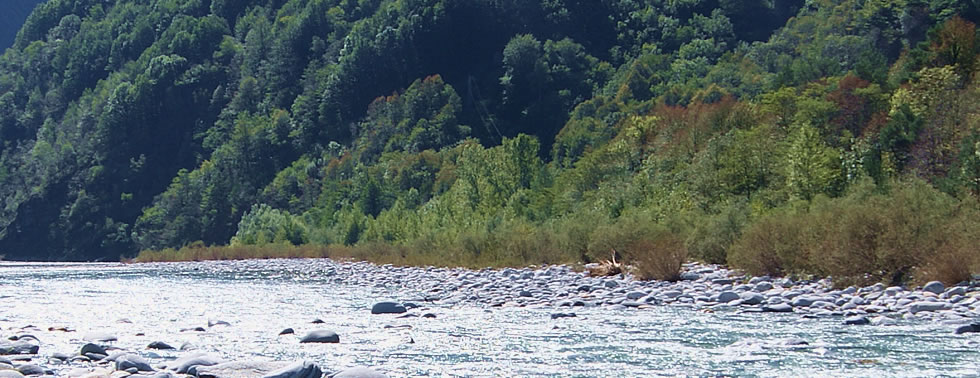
{"x":934,"y":287}
{"x":752,"y":298}
{"x":129,"y":361}
{"x":728,"y":296}
{"x":320,"y":336}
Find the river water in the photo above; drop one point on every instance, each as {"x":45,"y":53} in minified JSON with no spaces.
{"x":141,"y":303}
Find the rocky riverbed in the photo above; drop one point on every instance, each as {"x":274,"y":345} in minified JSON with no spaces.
{"x":406,"y":297}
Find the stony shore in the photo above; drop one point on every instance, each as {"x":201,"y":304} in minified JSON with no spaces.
{"x":558,"y":289}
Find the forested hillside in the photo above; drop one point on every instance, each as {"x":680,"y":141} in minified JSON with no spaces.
{"x":498,"y":131}
{"x":12,"y":16}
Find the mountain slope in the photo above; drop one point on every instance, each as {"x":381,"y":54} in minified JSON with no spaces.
{"x":133,"y":125}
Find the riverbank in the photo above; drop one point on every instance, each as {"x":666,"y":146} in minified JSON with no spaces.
{"x":398,"y":304}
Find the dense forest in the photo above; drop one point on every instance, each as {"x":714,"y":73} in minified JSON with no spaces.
{"x":825,"y":136}
{"x":12,"y":16}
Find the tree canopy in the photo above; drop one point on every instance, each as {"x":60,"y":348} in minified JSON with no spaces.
{"x":128,"y":125}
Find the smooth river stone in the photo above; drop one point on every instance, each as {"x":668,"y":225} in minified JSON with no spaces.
{"x":856,"y":320}
{"x":10,"y":374}
{"x":779,"y":307}
{"x":751,"y":298}
{"x":728,"y":296}
{"x":183,"y":364}
{"x":388,"y":308}
{"x":19,"y":347}
{"x":321,"y":336}
{"x":934,"y":287}
{"x":129,"y":360}
{"x":923,"y":306}
{"x":239,"y":369}
{"x":159,"y":345}
{"x":30,"y":369}
{"x":300,"y":369}
{"x":360,"y":372}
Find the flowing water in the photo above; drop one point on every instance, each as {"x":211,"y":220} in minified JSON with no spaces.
{"x":141,"y":303}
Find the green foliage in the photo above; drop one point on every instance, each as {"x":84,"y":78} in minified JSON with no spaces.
{"x":263,"y":225}
{"x":493,"y":133}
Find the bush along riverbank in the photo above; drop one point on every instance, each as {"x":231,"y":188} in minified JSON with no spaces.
{"x":563,"y":293}
{"x":903,"y":233}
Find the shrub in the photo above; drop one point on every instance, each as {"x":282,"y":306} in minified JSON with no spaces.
{"x":660,"y":256}
{"x":655,"y":251}
{"x":913,"y":234}
{"x":770,"y":246}
{"x":712,"y":235}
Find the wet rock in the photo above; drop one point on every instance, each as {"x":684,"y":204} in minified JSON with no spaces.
{"x":194,"y":329}
{"x":317,"y":321}
{"x":388,"y":308}
{"x":95,"y":356}
{"x":923,"y":306}
{"x":752,"y":298}
{"x":970,"y":328}
{"x":934,"y":287}
{"x":802,"y":301}
{"x":60,"y":356}
{"x":287,"y":331}
{"x":359,"y":372}
{"x":794,"y":341}
{"x":779,"y":307}
{"x":239,"y":369}
{"x":18,"y":347}
{"x":762,"y":286}
{"x":954,"y":291}
{"x":31,"y":369}
{"x":321,"y":336}
{"x":634,"y":295}
{"x":728,"y":296}
{"x":215,"y":323}
{"x":190,"y":362}
{"x":857,"y":320}
{"x":159,"y":345}
{"x":689,"y":276}
{"x":429,"y":316}
{"x":559,"y":315}
{"x":301,"y":369}
{"x":23,"y":337}
{"x":99,"y":337}
{"x":131,"y":361}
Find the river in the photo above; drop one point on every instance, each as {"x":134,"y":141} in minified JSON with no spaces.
{"x":142,"y":303}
